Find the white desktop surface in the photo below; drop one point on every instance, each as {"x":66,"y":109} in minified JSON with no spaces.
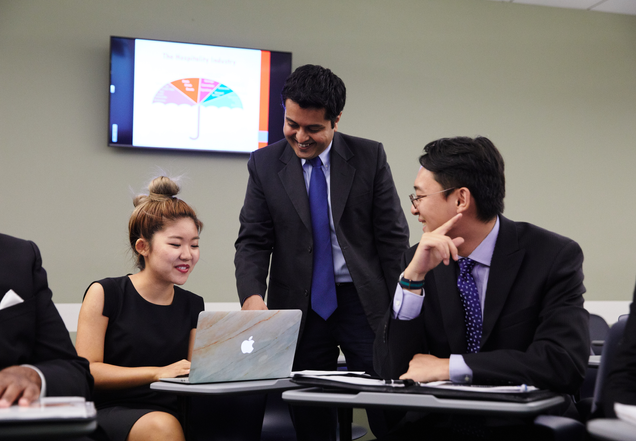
{"x":50,"y":418}
{"x":611,"y":429}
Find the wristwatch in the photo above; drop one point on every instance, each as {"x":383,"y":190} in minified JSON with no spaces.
{"x":410,"y":284}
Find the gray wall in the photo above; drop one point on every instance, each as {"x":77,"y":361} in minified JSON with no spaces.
{"x":553,"y":88}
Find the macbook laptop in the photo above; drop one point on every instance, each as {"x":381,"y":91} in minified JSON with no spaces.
{"x":243,"y":345}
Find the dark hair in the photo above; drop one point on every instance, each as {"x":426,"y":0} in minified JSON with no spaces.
{"x":316,"y":87}
{"x":472,"y":163}
{"x":153,"y":211}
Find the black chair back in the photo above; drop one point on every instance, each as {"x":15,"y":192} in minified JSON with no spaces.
{"x":598,"y":333}
{"x":609,"y":353}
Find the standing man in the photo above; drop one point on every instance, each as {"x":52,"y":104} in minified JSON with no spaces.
{"x":482,"y":299}
{"x":323,"y":206}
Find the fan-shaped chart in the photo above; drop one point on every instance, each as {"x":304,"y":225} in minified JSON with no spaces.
{"x":200,"y":91}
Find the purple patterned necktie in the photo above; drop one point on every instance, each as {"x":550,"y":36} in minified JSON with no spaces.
{"x":323,"y":284}
{"x":470,"y":300}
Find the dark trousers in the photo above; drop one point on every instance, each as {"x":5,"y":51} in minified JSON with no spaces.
{"x":347,"y":328}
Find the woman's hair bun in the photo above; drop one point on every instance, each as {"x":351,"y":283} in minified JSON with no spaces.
{"x":160,"y":188}
{"x":163,"y":186}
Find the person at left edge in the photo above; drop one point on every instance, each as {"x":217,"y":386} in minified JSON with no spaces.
{"x":37,"y":357}
{"x":139,"y":328}
{"x":368,"y":231}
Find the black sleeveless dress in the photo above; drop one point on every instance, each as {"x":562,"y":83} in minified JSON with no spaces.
{"x":141,"y":333}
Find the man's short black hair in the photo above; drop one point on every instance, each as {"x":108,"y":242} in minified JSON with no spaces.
{"x":315,"y":87}
{"x":472,"y":163}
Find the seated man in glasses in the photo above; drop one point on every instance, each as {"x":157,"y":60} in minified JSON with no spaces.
{"x":482,"y":299}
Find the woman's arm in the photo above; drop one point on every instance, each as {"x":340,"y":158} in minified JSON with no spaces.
{"x":91,"y":332}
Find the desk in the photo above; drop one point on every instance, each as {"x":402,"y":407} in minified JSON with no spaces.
{"x":49,"y":418}
{"x":398,"y":401}
{"x":230,"y":388}
{"x":235,"y":414}
{"x":611,"y":429}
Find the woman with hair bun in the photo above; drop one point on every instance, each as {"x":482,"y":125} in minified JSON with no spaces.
{"x":139,"y":328}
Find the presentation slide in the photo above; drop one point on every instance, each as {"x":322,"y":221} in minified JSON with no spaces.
{"x":199,"y":97}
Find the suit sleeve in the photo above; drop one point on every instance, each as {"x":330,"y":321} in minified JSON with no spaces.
{"x":255,"y":240}
{"x":556,"y":359}
{"x":398,"y":340}
{"x":391,"y":230}
{"x":53,"y":353}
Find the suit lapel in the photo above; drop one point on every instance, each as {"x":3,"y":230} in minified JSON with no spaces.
{"x":506,"y":261}
{"x":291,"y":175}
{"x":341,"y":176}
{"x":451,"y":306}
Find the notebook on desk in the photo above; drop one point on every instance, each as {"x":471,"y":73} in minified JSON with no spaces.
{"x":243,"y":345}
{"x":343,"y":381}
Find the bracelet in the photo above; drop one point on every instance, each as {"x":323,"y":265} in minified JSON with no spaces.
{"x":411,"y":284}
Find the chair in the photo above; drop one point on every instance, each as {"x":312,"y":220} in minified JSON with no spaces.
{"x":277,"y":422}
{"x":609,"y":352}
{"x":278,"y":426}
{"x":562,"y":428}
{"x":604,"y":428}
{"x":598,"y":332}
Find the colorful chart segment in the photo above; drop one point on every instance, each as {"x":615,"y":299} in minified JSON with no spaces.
{"x":200,"y":91}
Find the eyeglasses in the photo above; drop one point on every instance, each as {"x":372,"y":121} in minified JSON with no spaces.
{"x":415,"y":198}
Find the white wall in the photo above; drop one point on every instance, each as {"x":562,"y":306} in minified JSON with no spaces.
{"x":553,"y":88}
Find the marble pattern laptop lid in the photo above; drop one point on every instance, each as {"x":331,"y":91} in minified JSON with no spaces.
{"x":244,"y":345}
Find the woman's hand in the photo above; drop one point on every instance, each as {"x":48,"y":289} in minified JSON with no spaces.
{"x":173,"y":370}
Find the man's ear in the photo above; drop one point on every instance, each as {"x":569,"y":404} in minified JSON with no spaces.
{"x":463,"y":200}
{"x":335,"y":123}
{"x":142,"y":246}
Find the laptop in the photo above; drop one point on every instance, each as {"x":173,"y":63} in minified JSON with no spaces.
{"x":243,"y":345}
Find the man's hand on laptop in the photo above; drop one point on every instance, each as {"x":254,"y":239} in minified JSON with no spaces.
{"x":254,"y":303}
{"x":174,"y":370}
{"x":19,"y":383}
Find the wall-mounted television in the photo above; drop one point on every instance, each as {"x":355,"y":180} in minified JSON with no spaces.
{"x":173,"y":95}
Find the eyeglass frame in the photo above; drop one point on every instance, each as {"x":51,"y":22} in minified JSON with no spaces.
{"x":414,"y":198}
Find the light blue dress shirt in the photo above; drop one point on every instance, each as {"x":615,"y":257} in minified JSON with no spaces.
{"x":340,"y":270}
{"x":407,"y":306}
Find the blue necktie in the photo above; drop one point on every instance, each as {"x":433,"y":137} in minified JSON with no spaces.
{"x":323,"y":283}
{"x":470,"y":300}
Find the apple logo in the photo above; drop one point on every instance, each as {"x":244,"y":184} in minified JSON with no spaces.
{"x":246,"y":346}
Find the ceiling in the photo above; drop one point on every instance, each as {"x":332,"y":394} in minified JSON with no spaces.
{"x":614,"y":6}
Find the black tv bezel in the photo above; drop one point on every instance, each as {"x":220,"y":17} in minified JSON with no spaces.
{"x":121,"y":113}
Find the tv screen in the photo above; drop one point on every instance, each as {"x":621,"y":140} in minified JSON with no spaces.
{"x":172,"y":95}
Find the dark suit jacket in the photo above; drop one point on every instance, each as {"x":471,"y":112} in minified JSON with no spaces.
{"x":535,"y":328}
{"x":275,"y":222}
{"x":620,"y":384}
{"x":33,"y":332}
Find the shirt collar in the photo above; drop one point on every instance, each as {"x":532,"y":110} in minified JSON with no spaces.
{"x":483,"y":253}
{"x":324,"y":157}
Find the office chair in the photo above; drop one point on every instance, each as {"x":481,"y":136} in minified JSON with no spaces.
{"x":598,"y":332}
{"x":567,"y":429}
{"x":603,"y":428}
{"x":277,"y":422}
{"x":609,"y":352}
